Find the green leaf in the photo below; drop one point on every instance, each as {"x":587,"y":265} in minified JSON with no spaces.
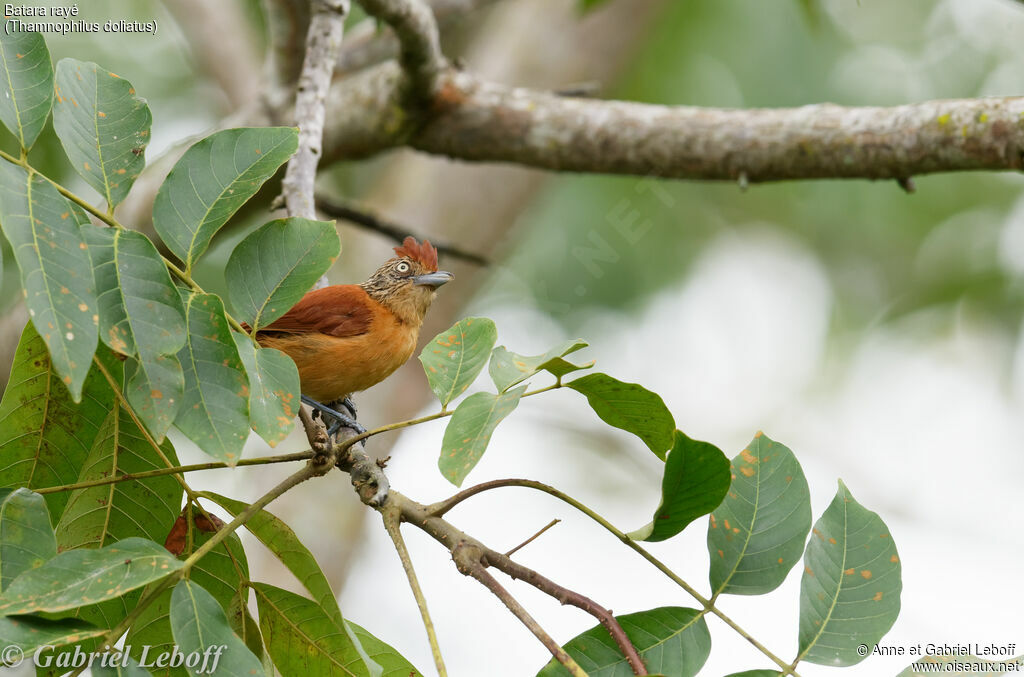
{"x":392,"y":663}
{"x":470,"y":429}
{"x":124,"y":666}
{"x":80,"y":577}
{"x":630,"y":407}
{"x":695,"y":481}
{"x":758,"y":533}
{"x":756,"y":673}
{"x":146,"y":508}
{"x":102,"y":125}
{"x":456,"y":356}
{"x":850,"y":590}
{"x":671,"y":640}
{"x":140,"y":308}
{"x":274,"y":266}
{"x":508,"y":369}
{"x":215,"y":177}
{"x":55,"y":271}
{"x":44,"y":436}
{"x":273,"y":389}
{"x":221,"y":573}
{"x":200,"y":625}
{"x":279,"y":538}
{"x":28,"y":85}
{"x":26,"y":537}
{"x":248,"y":630}
{"x":140,"y":314}
{"x":215,"y":409}
{"x":587,"y":5}
{"x":303,"y":640}
{"x":30,"y":632}
{"x":155,"y":388}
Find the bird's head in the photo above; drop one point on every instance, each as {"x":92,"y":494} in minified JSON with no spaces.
{"x":407,"y":284}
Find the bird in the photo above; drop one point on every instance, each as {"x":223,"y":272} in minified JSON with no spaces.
{"x":349,"y":337}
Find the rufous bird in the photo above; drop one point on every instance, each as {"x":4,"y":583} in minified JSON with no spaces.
{"x":348,"y":337}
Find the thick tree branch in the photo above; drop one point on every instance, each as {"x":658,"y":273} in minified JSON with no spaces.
{"x":478,"y":121}
{"x":420,"y":46}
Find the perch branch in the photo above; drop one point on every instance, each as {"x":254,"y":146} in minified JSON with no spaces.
{"x":372,"y":222}
{"x":473,"y":120}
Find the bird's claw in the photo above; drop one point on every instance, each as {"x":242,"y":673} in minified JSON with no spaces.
{"x":340,"y":419}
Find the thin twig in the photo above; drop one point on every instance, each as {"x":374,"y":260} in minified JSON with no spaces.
{"x":565,"y":596}
{"x":531,"y":539}
{"x":372,"y":222}
{"x":467,"y":560}
{"x":174,"y":470}
{"x":436,"y":510}
{"x":392,"y":523}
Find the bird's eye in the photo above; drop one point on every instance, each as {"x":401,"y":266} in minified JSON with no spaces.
{"x":402,"y":267}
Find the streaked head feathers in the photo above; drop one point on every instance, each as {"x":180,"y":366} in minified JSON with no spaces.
{"x":424,"y":253}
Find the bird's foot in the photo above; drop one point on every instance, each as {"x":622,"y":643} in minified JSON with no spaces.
{"x":347,"y":420}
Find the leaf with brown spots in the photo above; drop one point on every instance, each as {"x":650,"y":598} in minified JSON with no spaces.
{"x":694,"y":483}
{"x":44,"y":436}
{"x":212,"y":180}
{"x":768,"y":508}
{"x":51,"y":256}
{"x":215,"y":407}
{"x":99,"y":120}
{"x":456,"y":356}
{"x":100,"y":515}
{"x":840,"y":610}
{"x":80,"y":577}
{"x":470,"y":429}
{"x":27,"y":83}
{"x":140,"y":315}
{"x":508,"y":369}
{"x":26,"y":537}
{"x":273,"y":389}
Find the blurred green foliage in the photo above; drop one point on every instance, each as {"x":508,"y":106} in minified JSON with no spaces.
{"x":608,"y":242}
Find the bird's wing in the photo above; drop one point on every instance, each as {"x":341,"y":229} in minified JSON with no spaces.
{"x":340,"y":310}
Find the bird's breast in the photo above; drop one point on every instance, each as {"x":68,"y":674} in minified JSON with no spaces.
{"x":331,"y":367}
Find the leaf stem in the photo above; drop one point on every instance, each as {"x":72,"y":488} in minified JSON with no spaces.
{"x":440,"y":508}
{"x":343,"y":446}
{"x":213,"y":465}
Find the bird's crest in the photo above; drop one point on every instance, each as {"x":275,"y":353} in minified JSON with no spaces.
{"x":424,"y":253}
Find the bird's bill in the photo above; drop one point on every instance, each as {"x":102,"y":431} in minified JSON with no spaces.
{"x":434,"y":280}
